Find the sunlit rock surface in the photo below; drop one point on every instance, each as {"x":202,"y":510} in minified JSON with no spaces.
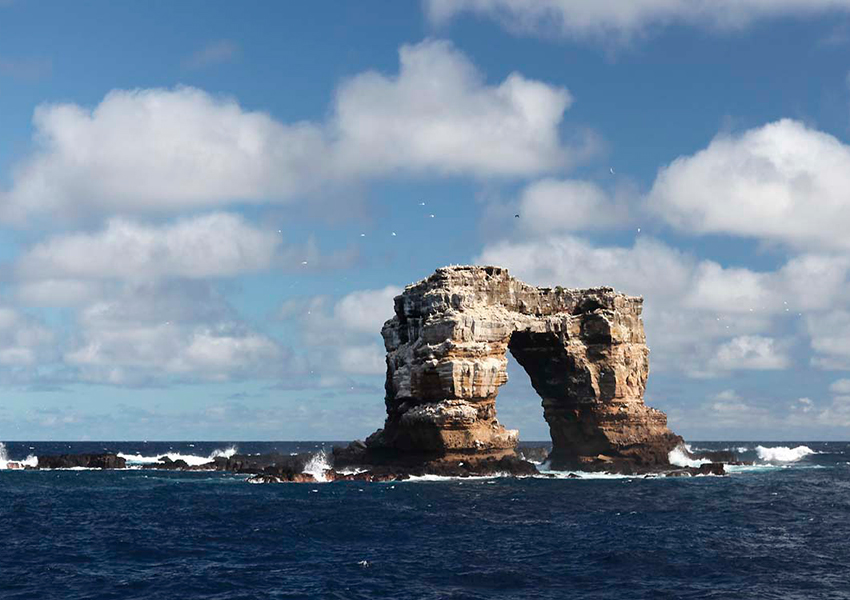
{"x":584,"y":350}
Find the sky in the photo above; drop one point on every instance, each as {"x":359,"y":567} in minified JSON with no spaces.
{"x":207,"y":207}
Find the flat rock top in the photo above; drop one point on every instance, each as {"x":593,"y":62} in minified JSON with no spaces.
{"x":468,"y":287}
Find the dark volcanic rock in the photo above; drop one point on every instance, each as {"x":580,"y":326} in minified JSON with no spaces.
{"x":711,"y":469}
{"x":390,"y":465}
{"x":88,"y":461}
{"x":285,"y":466}
{"x":168,"y":464}
{"x":273,"y":463}
{"x":289,"y":467}
{"x":706,"y":469}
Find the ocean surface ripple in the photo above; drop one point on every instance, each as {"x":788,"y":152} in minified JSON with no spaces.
{"x":777,"y":530}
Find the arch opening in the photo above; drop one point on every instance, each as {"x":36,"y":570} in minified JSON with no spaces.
{"x":567,"y":390}
{"x":519,"y":407}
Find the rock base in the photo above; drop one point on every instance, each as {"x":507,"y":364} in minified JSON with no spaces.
{"x":357,"y":462}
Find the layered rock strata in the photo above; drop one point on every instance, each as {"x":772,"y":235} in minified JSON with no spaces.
{"x":584,"y":350}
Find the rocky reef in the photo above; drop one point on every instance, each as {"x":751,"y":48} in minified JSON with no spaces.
{"x":583,"y":349}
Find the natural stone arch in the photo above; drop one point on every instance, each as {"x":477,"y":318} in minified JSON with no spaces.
{"x":584,"y":350}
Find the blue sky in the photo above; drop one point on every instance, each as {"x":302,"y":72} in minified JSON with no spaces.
{"x":198,"y":201}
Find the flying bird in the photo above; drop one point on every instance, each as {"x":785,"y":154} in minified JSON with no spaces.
{"x":612,"y":170}
{"x":432,"y":216}
{"x":421,"y":204}
{"x":516,"y":216}
{"x":393,"y":233}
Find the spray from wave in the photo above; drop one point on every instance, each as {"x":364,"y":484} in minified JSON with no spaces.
{"x":783,"y":453}
{"x":29,"y":461}
{"x":191,"y":459}
{"x":679,"y":457}
{"x":317,"y":465}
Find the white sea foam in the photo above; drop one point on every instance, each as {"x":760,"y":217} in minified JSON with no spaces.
{"x":191,"y":459}
{"x":783,"y":453}
{"x":678,"y":456}
{"x":352,"y":471}
{"x":4,"y":458}
{"x":317,"y":465}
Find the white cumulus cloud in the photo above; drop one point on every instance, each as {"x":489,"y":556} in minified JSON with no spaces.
{"x":170,"y":150}
{"x":439,"y":114}
{"x":179,"y":331}
{"x":24,"y":341}
{"x":783,"y":182}
{"x":214,"y":245}
{"x":754,"y":352}
{"x":569,"y":205}
{"x":830,"y":333}
{"x":345,"y":334}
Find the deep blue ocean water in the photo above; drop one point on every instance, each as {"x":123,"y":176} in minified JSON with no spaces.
{"x":779,"y":531}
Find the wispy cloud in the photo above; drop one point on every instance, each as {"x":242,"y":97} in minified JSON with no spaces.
{"x":215,"y":53}
{"x":26,"y":69}
{"x":623,"y":20}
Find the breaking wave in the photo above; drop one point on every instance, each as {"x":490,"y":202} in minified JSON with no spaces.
{"x":317,"y":465}
{"x":191,"y":459}
{"x":678,"y":456}
{"x":783,"y":453}
{"x":29,"y":461}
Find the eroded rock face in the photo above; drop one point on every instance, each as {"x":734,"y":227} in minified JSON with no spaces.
{"x":584,"y":350}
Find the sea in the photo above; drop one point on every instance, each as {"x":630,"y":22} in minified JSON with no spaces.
{"x":777,"y":529}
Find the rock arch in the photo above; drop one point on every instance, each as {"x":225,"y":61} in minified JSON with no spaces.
{"x":584,"y":350}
